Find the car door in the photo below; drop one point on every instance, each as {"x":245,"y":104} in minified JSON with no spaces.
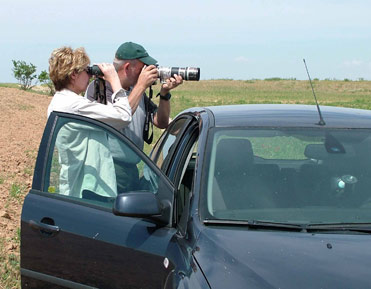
{"x":176,"y":153}
{"x":70,"y":237}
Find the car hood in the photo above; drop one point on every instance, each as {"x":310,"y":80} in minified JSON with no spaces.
{"x":243,"y":258}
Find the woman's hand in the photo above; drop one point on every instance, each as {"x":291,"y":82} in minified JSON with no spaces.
{"x":110,"y":74}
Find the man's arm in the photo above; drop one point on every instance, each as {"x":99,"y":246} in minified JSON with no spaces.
{"x":161,"y":118}
{"x":146,"y":78}
{"x":162,"y":115}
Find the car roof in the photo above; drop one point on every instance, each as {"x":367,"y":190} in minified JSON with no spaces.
{"x":288,"y":115}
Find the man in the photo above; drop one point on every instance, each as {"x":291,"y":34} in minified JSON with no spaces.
{"x":133,"y":63}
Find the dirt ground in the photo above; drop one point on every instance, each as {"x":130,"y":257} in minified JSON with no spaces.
{"x":22,"y":121}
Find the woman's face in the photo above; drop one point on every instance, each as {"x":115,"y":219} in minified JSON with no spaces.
{"x":81,"y":81}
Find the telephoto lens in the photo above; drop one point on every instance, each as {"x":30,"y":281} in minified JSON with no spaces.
{"x":94,"y":70}
{"x":187,"y":73}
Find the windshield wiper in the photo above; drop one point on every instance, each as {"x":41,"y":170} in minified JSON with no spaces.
{"x":255,"y":224}
{"x":346,"y":227}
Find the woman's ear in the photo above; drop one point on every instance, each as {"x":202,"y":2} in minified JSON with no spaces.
{"x":74,"y":75}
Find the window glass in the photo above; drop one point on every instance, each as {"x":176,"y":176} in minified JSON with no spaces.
{"x":302,"y":176}
{"x":186,"y":180}
{"x":171,"y":136}
{"x":92,"y":165}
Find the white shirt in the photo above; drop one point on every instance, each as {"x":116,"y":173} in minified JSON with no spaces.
{"x":117,"y":115}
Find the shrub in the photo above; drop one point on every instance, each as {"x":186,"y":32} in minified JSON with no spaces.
{"x":273,"y":79}
{"x":24,"y":73}
{"x":45,"y":79}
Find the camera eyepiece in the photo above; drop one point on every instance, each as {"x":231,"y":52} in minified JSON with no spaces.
{"x":187,"y":73}
{"x":94,"y":70}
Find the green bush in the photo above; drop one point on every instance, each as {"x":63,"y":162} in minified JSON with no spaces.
{"x":27,"y":77}
{"x":45,"y":79}
{"x":24,"y":73}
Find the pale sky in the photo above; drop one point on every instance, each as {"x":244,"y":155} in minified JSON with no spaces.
{"x":236,"y":39}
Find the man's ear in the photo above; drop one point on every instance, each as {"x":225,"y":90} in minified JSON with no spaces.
{"x":126,"y":66}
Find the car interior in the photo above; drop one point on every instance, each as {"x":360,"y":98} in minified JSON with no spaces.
{"x":332,"y":175}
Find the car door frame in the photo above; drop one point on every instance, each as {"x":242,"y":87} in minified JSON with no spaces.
{"x":177,"y":156}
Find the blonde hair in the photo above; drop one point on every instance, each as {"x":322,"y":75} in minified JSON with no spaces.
{"x":63,"y":62}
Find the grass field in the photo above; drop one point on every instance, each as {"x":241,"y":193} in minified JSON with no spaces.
{"x":221,"y":92}
{"x":356,"y":94}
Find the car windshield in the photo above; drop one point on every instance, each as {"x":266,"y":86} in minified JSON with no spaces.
{"x":291,"y":175}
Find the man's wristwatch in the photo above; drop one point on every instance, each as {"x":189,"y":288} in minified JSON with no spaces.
{"x":164,"y":97}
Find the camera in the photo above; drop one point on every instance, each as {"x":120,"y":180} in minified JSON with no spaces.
{"x":187,"y":73}
{"x":94,"y":70}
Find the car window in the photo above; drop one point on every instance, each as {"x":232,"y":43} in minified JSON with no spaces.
{"x":92,"y":165}
{"x":166,"y":142}
{"x":281,"y":147}
{"x":186,"y":178}
{"x":304,"y":175}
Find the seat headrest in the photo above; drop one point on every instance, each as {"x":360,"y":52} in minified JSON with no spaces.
{"x":234,"y":154}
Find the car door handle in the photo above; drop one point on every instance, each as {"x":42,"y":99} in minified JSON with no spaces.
{"x":45,"y":229}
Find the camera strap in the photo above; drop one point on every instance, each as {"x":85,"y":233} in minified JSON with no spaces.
{"x":100,"y":90}
{"x":148,"y":124}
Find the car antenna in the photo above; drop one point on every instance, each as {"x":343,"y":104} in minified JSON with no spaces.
{"x":321,"y":121}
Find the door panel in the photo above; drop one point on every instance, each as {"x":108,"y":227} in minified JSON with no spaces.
{"x":93,"y":247}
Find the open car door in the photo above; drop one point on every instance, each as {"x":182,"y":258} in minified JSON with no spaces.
{"x":99,"y":213}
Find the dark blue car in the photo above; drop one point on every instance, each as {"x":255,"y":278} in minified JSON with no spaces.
{"x":245,"y":196}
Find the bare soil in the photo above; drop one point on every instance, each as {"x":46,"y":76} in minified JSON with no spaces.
{"x":22,"y":120}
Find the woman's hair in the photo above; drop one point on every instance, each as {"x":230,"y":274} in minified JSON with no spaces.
{"x":63,"y":62}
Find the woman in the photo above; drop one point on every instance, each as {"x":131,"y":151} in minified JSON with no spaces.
{"x":84,"y":154}
{"x":68,"y":71}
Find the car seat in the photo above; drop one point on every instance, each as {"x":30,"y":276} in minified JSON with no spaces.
{"x":240,"y":187}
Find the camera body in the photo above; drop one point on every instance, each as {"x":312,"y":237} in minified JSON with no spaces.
{"x":94,"y":70}
{"x":187,"y":73}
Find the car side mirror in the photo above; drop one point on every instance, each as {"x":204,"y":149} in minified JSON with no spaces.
{"x":137,"y":204}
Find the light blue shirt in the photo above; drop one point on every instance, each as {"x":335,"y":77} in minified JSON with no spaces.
{"x":84,"y":154}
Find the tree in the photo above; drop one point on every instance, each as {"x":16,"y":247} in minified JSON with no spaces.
{"x":24,"y":73}
{"x":45,"y":79}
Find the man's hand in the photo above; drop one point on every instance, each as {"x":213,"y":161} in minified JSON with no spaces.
{"x":171,"y":83}
{"x":148,"y":76}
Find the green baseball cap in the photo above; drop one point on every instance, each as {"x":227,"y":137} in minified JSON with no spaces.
{"x":130,"y":50}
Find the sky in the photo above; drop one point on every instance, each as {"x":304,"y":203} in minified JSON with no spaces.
{"x":230,"y":39}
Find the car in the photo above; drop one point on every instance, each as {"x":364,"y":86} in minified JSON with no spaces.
{"x":238,"y":196}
